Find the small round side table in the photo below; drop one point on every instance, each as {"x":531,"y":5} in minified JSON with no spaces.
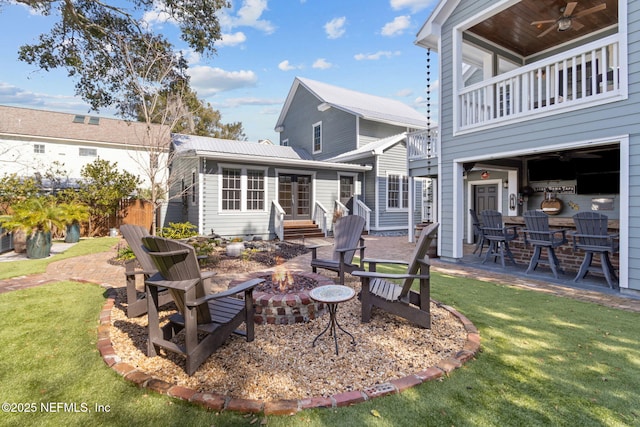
{"x":332,"y":295}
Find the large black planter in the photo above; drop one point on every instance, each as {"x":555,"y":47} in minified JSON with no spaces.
{"x":73,"y":233}
{"x":39,"y":245}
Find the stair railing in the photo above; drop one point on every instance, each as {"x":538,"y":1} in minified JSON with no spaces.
{"x":278,"y":220}
{"x":320,"y":217}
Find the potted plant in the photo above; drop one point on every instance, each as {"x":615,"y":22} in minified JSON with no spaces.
{"x":71,"y":214}
{"x":36,"y":217}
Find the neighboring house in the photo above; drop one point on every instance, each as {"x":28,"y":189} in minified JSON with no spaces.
{"x":340,"y":125}
{"x":341,"y":152}
{"x":32,"y":141}
{"x":528,"y":108}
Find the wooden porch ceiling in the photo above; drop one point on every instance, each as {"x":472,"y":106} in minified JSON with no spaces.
{"x":512,"y":27}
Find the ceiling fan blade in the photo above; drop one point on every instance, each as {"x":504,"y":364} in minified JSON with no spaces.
{"x":568,"y":10}
{"x":546,"y":21}
{"x":598,"y":8}
{"x":575,"y":25}
{"x":547,"y":31}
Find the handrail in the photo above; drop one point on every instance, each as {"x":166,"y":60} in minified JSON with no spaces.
{"x":360,"y":209}
{"x":320,"y":217}
{"x":278,"y":220}
{"x":422,"y":144}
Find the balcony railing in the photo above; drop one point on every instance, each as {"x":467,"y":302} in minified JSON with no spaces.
{"x":422,"y":144}
{"x":587,"y":74}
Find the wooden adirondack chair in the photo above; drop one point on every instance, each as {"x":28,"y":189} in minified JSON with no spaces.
{"x":540,"y":236}
{"x":207,"y":320}
{"x":143,"y":266}
{"x":347,"y":232}
{"x":592,"y":236}
{"x":400,"y":300}
{"x":498,"y":236}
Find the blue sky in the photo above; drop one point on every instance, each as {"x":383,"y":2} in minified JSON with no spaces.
{"x":363,"y":45}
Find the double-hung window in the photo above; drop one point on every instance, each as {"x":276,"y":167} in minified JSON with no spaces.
{"x":397,"y":191}
{"x":243,"y":189}
{"x":317,"y":137}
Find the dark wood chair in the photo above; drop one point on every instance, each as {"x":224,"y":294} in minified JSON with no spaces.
{"x":207,"y":320}
{"x":498,"y":236}
{"x":592,"y":237}
{"x":401,"y":300}
{"x":141,"y":266}
{"x":538,"y":234}
{"x":477,"y":231}
{"x":347,"y":233}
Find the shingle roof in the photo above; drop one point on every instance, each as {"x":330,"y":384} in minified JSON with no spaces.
{"x":366,"y":106}
{"x":70,"y":127}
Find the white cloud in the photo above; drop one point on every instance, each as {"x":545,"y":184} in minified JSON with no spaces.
{"x":413,"y":5}
{"x":208,"y":81}
{"x":248,"y":16}
{"x":238,"y":102}
{"x":376,"y":56}
{"x":287,"y":66}
{"x":404,"y":92}
{"x":229,"y":39}
{"x":397,"y":26}
{"x":322,"y":64}
{"x":335,"y":28}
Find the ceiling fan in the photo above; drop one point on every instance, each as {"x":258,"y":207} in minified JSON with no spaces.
{"x":567,"y":20}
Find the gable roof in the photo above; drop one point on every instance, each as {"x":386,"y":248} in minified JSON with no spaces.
{"x":53,"y":125}
{"x":374,"y":148}
{"x":370,"y":107}
{"x":429,"y":34}
{"x":251,"y":153}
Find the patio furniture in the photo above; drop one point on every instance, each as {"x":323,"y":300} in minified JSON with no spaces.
{"x":207,"y":320}
{"x":498,"y":236}
{"x":379,"y":291}
{"x":477,"y":231}
{"x":143,"y":266}
{"x":347,"y":233}
{"x":332,"y":295}
{"x":592,"y":237}
{"x":541,"y":237}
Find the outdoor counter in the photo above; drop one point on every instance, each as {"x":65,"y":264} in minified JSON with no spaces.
{"x":557,"y":221}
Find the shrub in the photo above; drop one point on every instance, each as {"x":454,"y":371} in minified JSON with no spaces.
{"x":179,"y":230}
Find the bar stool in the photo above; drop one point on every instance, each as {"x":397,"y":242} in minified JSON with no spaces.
{"x":592,"y":237}
{"x":538,"y":234}
{"x":498,"y":236}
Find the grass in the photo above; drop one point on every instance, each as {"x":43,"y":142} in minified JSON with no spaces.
{"x":35,"y":266}
{"x":545,"y":360}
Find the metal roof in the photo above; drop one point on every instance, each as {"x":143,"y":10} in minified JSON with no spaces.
{"x":370,"y":107}
{"x":371,"y":149}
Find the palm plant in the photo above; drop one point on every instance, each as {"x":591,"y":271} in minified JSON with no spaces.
{"x":71,"y":214}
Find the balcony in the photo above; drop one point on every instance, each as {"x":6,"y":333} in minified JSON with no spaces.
{"x":585,"y":76}
{"x":422,"y":152}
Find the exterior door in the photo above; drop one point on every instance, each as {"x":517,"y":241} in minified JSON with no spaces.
{"x":347,"y":191}
{"x":294,"y":196}
{"x":486,"y":197}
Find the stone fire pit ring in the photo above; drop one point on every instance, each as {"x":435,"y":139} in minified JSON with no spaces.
{"x":294,"y":306}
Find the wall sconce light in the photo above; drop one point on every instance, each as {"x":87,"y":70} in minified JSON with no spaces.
{"x":484,"y":175}
{"x":505,"y":184}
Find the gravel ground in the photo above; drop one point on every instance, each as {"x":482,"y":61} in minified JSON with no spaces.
{"x":281,"y":362}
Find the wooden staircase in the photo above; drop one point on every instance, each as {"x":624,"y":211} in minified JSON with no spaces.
{"x":301,"y":229}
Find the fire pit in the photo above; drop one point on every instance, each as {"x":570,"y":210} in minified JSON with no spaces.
{"x":283,"y":298}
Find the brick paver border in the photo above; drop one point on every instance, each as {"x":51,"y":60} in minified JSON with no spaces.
{"x":218,"y":402}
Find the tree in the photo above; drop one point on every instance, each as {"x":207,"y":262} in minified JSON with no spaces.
{"x":102,"y":189}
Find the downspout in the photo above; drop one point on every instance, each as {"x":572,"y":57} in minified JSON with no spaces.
{"x":376,"y":162}
{"x":201,"y":197}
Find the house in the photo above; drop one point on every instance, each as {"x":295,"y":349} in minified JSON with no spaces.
{"x":341,"y":152}
{"x":33,"y":141}
{"x":538,"y":99}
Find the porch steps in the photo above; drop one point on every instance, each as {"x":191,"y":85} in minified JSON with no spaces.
{"x":300,"y":229}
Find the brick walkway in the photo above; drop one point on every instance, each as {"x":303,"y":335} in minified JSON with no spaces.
{"x":95,"y":268}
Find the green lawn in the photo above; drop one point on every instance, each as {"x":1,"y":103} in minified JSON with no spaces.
{"x":545,"y":360}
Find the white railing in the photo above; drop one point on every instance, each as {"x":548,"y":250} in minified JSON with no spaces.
{"x":320,"y":217}
{"x":581,"y":75}
{"x":278,"y":221}
{"x":422,"y":144}
{"x":360,"y":209}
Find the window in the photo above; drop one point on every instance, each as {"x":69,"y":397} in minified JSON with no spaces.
{"x":78,"y":119}
{"x":38,"y":148}
{"x":317,"y":137}
{"x":285,"y":142}
{"x":255,"y":190}
{"x":88,"y":152}
{"x":231,"y":190}
{"x":243,"y":189}
{"x":94,"y":120}
{"x":397,"y":191}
